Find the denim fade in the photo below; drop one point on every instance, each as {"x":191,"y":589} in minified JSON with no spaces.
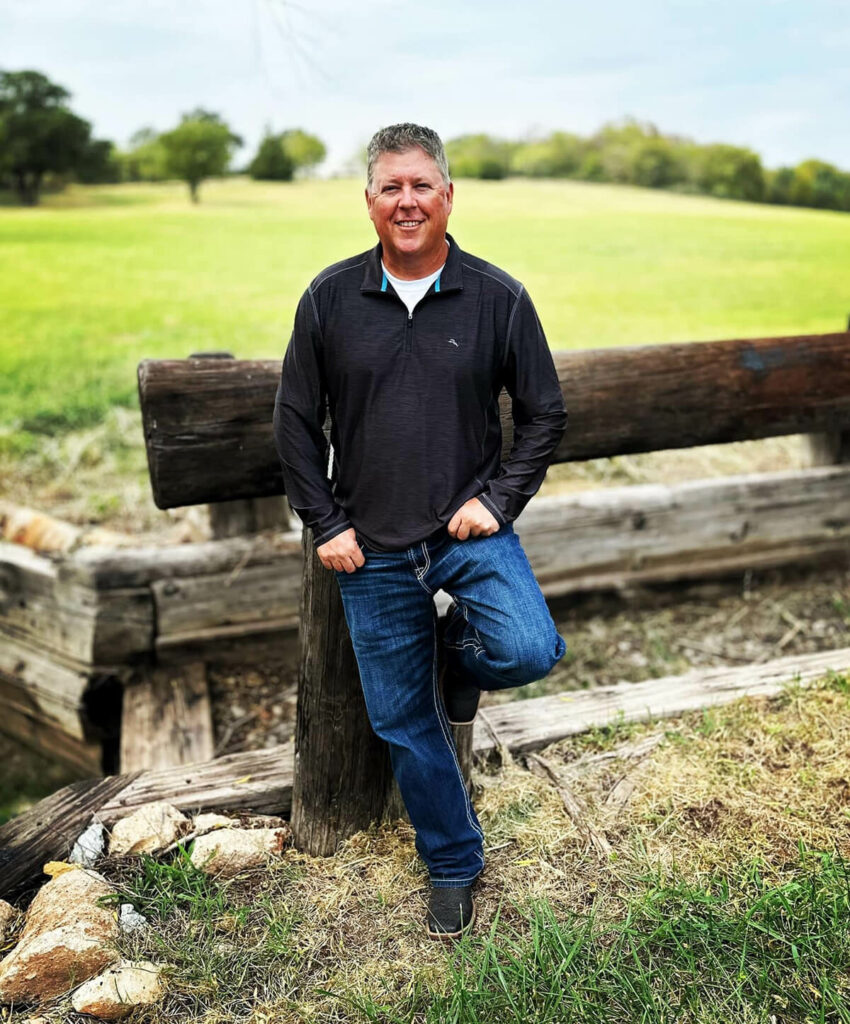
{"x":501,"y":635}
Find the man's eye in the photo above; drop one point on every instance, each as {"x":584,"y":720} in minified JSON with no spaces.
{"x":423,"y":187}
{"x":390,"y":188}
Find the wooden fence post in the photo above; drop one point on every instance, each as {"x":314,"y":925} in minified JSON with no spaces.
{"x":828,"y":449}
{"x":343,"y":779}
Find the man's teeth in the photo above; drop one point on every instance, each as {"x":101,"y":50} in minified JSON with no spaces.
{"x":409,"y":223}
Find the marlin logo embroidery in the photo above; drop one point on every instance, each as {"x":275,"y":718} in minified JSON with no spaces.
{"x":453,"y":342}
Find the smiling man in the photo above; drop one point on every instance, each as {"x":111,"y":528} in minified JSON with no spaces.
{"x":408,"y":346}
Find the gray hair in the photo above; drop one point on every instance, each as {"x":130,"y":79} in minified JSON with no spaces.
{"x":396,"y":138}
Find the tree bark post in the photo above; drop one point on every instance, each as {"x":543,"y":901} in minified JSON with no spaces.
{"x":343,"y":778}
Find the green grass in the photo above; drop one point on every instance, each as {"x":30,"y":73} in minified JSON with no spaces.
{"x":99,"y":278}
{"x":746,"y":945}
{"x":727,"y":950}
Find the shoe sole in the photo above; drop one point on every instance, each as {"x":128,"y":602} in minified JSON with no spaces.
{"x":448,"y":936}
{"x":442,"y":688}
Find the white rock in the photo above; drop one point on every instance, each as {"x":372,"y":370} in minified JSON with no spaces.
{"x":66,"y":939}
{"x":129,"y":919}
{"x":150,"y":827}
{"x":225,"y":852}
{"x":89,"y":845}
{"x":114,"y":993}
{"x":206,"y":822}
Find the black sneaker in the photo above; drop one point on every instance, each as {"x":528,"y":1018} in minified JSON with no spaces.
{"x":460,"y":697}
{"x":451,"y":912}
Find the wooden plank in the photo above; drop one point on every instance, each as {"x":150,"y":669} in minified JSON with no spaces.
{"x":44,"y":737}
{"x":579,"y":541}
{"x":54,"y":688}
{"x":261,"y":780}
{"x":49,"y":830}
{"x":104,"y":569}
{"x":256,"y":780}
{"x":204,"y":413}
{"x":166,"y":718}
{"x":41,"y":606}
{"x":243,"y":644}
{"x":256,"y":596}
{"x":525,"y":725}
{"x":248,"y":515}
{"x":656,"y":532}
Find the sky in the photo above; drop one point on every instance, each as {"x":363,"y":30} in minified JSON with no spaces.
{"x":772,"y":75}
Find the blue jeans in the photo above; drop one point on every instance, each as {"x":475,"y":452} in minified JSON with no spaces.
{"x":500,"y":635}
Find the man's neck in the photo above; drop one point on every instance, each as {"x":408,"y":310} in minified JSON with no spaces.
{"x":419,"y":266}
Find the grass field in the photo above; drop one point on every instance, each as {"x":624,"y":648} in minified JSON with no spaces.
{"x":99,"y":278}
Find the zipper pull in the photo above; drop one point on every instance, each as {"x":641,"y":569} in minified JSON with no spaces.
{"x":410,"y":318}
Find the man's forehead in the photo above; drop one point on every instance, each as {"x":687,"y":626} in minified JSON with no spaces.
{"x":413,"y":162}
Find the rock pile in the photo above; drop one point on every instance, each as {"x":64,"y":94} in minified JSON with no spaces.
{"x":64,"y":945}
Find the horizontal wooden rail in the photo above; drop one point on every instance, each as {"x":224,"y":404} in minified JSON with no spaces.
{"x":208,"y":422}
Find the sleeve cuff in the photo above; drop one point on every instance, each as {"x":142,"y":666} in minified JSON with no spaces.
{"x":488,"y":504}
{"x":331,"y":533}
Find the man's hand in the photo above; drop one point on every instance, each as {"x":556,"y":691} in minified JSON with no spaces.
{"x":472,"y":518}
{"x":341,"y":552}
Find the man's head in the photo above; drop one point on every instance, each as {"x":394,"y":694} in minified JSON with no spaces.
{"x":409,"y":197}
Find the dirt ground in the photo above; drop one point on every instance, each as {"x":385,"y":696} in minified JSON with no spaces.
{"x":645,"y":633}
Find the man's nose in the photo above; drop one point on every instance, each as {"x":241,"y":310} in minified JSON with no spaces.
{"x":408,"y":196}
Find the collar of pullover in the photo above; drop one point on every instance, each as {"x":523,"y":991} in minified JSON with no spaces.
{"x":451,"y":279}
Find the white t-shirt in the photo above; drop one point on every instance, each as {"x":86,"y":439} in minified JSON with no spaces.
{"x":410,"y":292}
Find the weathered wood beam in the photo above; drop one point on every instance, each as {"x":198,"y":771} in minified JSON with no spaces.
{"x":261,"y":780}
{"x":166,"y":718}
{"x":208,"y":422}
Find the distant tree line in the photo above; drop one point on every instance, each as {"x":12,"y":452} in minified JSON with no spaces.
{"x":41,"y":139}
{"x":637,"y":153}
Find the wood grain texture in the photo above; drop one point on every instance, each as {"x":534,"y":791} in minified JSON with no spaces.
{"x":208,"y":423}
{"x":343,"y":776}
{"x":166,"y":718}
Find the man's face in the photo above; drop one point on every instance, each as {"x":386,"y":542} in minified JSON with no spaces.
{"x":409,"y":205}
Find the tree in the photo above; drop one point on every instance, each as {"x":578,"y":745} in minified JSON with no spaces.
{"x":199,"y":147}
{"x":145,"y":159}
{"x":817,"y":183}
{"x":99,"y":164}
{"x":731,"y":172}
{"x":304,"y":150}
{"x":38,"y":133}
{"x":271,"y":162}
{"x":558,"y":156}
{"x":479,"y":156}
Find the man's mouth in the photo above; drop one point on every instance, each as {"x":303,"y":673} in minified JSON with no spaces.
{"x":408,"y":223}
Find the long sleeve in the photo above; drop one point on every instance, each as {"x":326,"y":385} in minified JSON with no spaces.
{"x":539,"y":414}
{"x":299,"y":415}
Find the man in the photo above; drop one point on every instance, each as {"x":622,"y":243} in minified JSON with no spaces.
{"x":408,"y":345}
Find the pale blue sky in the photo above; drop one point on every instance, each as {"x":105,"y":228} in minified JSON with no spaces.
{"x":774,"y":74}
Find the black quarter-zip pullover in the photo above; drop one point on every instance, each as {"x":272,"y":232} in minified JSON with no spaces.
{"x":413,"y":400}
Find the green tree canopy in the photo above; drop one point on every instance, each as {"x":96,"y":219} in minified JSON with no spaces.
{"x":199,"y":147}
{"x":38,"y":133}
{"x":304,"y":150}
{"x":271,"y":162}
{"x":144,"y":159}
{"x":479,"y":156}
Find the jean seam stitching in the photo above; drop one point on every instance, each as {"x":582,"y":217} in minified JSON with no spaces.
{"x":449,"y":743}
